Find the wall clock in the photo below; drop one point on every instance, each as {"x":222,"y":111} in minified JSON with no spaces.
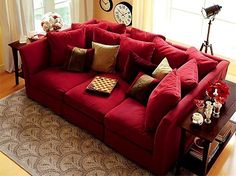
{"x":123,"y":13}
{"x":106,"y":5}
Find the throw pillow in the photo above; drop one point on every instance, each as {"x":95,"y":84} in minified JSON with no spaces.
{"x":162,"y":99}
{"x":175,"y":56}
{"x":134,"y":65}
{"x":162,"y":70}
{"x":58,"y":42}
{"x":205,"y":64}
{"x":114,"y":27}
{"x":188,"y":75}
{"x":143,"y":35}
{"x":106,"y":37}
{"x":142,"y":49}
{"x":104,"y":57}
{"x":142,"y":87}
{"x":79,"y":59}
{"x":92,"y":21}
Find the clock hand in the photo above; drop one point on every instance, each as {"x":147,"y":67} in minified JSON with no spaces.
{"x":104,"y":2}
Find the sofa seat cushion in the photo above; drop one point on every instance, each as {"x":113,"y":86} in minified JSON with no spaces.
{"x":94,"y":105}
{"x":56,"y":81}
{"x":127,"y":120}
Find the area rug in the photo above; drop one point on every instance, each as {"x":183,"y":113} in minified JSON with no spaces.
{"x":45,"y":144}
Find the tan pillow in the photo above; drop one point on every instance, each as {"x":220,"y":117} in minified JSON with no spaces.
{"x":162,"y":70}
{"x":104,"y":57}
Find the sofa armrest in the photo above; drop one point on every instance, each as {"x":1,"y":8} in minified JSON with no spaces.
{"x":35,"y":57}
{"x":167,"y":136}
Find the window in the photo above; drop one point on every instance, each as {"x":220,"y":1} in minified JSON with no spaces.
{"x":41,"y":7}
{"x":182,"y":21}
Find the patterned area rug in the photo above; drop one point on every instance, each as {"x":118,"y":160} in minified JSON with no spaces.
{"x":45,"y":144}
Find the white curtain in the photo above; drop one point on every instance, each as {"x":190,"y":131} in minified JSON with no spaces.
{"x":143,"y":14}
{"x":16,"y":20}
{"x":81,"y":10}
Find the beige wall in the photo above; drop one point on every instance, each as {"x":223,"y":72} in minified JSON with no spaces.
{"x":100,"y":14}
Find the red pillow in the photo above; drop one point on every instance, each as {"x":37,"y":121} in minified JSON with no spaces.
{"x":134,"y":65}
{"x":92,"y":21}
{"x":115,"y":27}
{"x":79,"y":59}
{"x":142,"y":49}
{"x":188,"y":75}
{"x":175,"y":56}
{"x":106,"y":37}
{"x":58,"y":42}
{"x":143,"y":35}
{"x":142,"y":87}
{"x":162,"y":99}
{"x":205,"y":64}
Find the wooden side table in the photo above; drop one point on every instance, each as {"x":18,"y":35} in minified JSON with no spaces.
{"x":207,"y":132}
{"x":15,"y":46}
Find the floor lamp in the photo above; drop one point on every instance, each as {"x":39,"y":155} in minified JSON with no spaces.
{"x":209,"y":13}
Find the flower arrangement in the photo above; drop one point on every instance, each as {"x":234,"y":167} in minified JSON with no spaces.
{"x":218,"y":91}
{"x":51,"y":22}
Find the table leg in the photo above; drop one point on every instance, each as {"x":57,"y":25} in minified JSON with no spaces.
{"x":205,"y":157}
{"x":15,"y":58}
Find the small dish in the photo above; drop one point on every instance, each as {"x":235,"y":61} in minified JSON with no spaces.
{"x":197,"y":118}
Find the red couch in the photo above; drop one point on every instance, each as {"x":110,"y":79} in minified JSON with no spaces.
{"x":117,"y":120}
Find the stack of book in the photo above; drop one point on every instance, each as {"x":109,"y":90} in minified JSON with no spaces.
{"x":224,"y":133}
{"x":197,"y":149}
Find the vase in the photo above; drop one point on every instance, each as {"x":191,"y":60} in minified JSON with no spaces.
{"x":216,"y":109}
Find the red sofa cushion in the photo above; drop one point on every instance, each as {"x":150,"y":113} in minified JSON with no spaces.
{"x":142,"y":49}
{"x":58,"y":42}
{"x":162,"y":99}
{"x":134,"y":65}
{"x":143,"y":35}
{"x":114,"y":27}
{"x":92,"y":21}
{"x":188,"y":75}
{"x":127,"y":120}
{"x":106,"y":37}
{"x":205,"y":64}
{"x":175,"y":56}
{"x":96,"y":106}
{"x":55,"y":81}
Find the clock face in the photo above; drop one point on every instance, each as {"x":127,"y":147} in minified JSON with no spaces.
{"x":123,"y":13}
{"x":106,"y":5}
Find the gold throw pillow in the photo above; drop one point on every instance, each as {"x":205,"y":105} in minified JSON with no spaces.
{"x":162,"y":70}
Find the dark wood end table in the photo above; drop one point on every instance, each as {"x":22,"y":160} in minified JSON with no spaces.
{"x":207,"y":132}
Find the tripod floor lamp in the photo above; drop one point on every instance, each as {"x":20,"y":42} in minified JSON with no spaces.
{"x":209,"y":13}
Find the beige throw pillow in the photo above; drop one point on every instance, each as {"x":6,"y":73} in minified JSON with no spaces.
{"x":162,"y":70}
{"x":104,"y":57}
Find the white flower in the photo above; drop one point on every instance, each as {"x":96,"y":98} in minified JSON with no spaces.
{"x":51,"y":22}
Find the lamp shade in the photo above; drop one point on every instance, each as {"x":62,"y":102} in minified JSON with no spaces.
{"x":211,"y":11}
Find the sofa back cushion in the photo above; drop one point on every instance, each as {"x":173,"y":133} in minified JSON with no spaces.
{"x":134,"y":65}
{"x":205,"y":64}
{"x":175,"y":56}
{"x":114,"y":27}
{"x":79,"y":59}
{"x":162,"y":99}
{"x":142,"y":49}
{"x":143,"y":35}
{"x":104,"y":57}
{"x":58,"y":42}
{"x":105,"y":37}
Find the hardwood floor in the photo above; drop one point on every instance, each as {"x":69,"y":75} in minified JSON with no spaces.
{"x":224,"y":165}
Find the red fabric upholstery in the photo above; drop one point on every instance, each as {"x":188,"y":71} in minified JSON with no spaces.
{"x":143,"y":35}
{"x":93,"y":105}
{"x":163,"y":98}
{"x":127,"y":45}
{"x":58,"y":44}
{"x":106,"y":37}
{"x":205,"y":64}
{"x":127,"y":120}
{"x":136,"y":64}
{"x":115,"y":27}
{"x":175,"y":57}
{"x":56,"y":82}
{"x":92,"y":21}
{"x":188,"y":75}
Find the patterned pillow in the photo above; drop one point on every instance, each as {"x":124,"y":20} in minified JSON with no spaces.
{"x":79,"y":59}
{"x":104,"y":57}
{"x":142,"y":87}
{"x":162,"y":70}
